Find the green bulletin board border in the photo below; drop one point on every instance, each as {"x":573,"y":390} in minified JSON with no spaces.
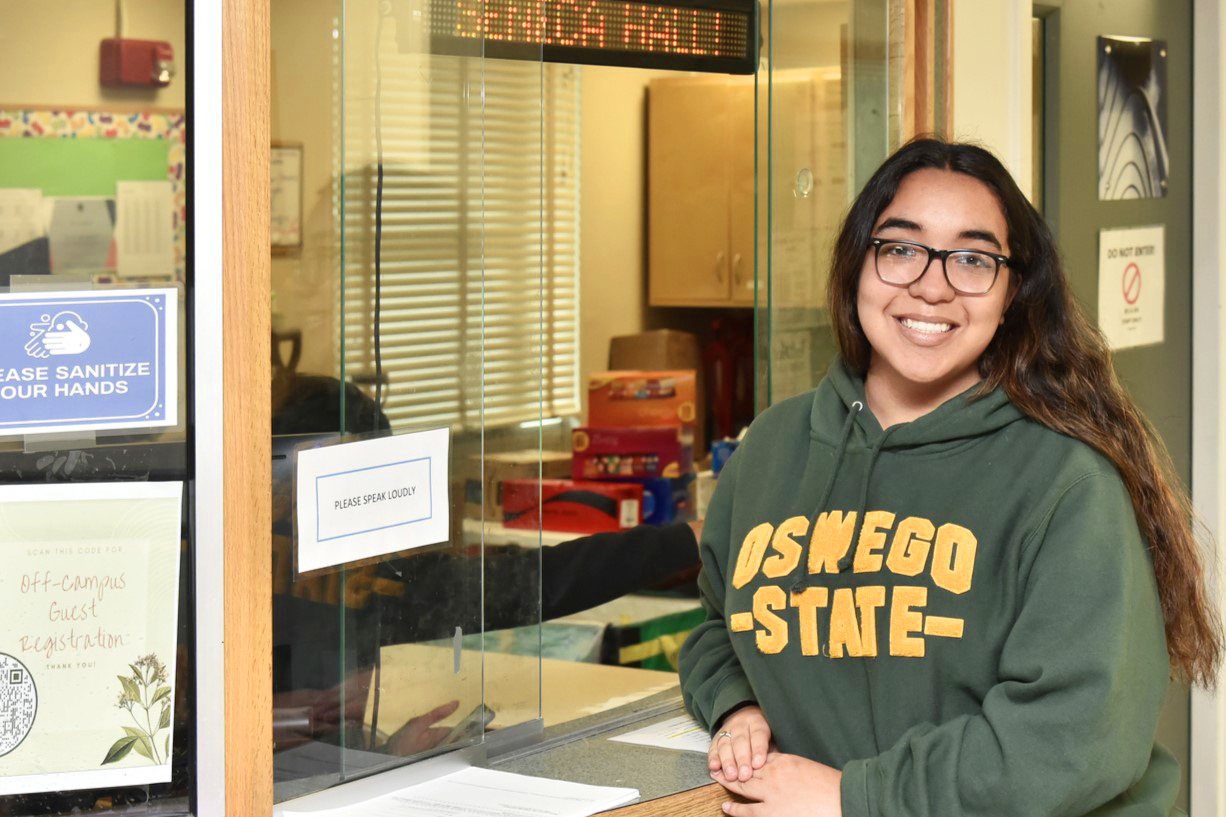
{"x":94,"y":150}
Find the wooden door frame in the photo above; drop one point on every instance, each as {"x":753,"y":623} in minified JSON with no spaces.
{"x":232,"y":262}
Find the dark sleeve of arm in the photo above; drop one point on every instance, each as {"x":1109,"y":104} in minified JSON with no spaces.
{"x":592,"y":570}
{"x":712,"y":681}
{"x":1070,"y":724}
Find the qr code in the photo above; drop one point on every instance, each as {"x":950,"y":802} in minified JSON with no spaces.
{"x":18,"y":703}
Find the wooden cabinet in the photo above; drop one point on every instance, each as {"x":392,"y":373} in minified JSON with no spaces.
{"x":701,"y":169}
{"x":689,"y":146}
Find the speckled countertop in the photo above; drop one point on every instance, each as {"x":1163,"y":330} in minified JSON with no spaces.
{"x":581,"y":751}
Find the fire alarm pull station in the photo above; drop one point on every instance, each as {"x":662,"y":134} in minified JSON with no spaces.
{"x":136,"y":63}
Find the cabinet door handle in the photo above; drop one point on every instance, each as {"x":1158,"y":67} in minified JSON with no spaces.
{"x":719,"y":267}
{"x":736,"y":269}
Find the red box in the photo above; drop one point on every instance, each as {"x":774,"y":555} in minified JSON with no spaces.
{"x":135,"y":63}
{"x":567,"y":505}
{"x":642,"y":398}
{"x":618,"y":453}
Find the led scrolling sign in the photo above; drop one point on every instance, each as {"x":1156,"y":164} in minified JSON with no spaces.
{"x":715,"y":35}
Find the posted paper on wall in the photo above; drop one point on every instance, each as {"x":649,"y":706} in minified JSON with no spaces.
{"x":89,"y":596}
{"x":1132,"y":285}
{"x":370,"y":498}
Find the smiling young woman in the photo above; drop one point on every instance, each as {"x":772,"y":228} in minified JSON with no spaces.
{"x":955,"y":578}
{"x":926,"y":337}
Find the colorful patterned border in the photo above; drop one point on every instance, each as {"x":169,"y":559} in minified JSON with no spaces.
{"x":98,"y":125}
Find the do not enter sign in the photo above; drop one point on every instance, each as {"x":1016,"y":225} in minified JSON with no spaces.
{"x":1132,"y":283}
{"x":1131,"y":288}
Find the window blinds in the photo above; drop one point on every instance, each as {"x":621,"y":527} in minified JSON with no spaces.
{"x":478,"y":315}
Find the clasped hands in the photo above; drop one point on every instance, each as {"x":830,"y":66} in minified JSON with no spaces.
{"x":745,"y":762}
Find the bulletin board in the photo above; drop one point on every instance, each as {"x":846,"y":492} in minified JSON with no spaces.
{"x":86,"y":153}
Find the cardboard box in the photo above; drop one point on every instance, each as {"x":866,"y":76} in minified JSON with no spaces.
{"x":621,"y":399}
{"x":665,"y":500}
{"x":483,"y":483}
{"x":567,"y":505}
{"x":641,"y":452}
{"x":665,"y":349}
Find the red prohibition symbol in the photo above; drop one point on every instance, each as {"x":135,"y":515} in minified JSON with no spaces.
{"x":1132,"y":283}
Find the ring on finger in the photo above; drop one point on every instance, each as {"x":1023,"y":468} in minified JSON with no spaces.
{"x":724,"y":734}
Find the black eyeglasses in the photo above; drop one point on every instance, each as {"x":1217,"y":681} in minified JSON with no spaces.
{"x":969,"y":272}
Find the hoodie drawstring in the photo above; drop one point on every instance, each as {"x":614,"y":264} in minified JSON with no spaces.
{"x":862,"y":507}
{"x":803,"y":565}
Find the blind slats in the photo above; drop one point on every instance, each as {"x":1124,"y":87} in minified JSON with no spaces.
{"x":479,"y":249}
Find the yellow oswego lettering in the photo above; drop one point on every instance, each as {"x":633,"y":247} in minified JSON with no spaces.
{"x":953,"y":558}
{"x":830,"y":540}
{"x":787,"y":549}
{"x":904,"y":621}
{"x":749,"y":558}
{"x":872,"y":541}
{"x":806,"y":603}
{"x":774,"y":637}
{"x":869,"y":600}
{"x":910,"y":546}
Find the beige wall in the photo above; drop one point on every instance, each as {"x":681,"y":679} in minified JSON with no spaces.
{"x":302,"y":112}
{"x":612,"y":200}
{"x":992,"y":93}
{"x":58,"y":52}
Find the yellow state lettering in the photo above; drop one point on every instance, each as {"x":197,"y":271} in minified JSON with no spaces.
{"x":749,"y":559}
{"x":844,"y":632}
{"x":910,"y":546}
{"x":869,"y":599}
{"x":872,"y":540}
{"x":942,"y":626}
{"x":830,"y":540}
{"x":774,"y":637}
{"x":740,"y":622}
{"x":787,"y":550}
{"x":953,"y":558}
{"x":806,"y":603}
{"x":904,"y":621}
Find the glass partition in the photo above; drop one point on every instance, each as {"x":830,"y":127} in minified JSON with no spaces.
{"x":437,"y":284}
{"x":847,"y":82}
{"x":426,"y":288}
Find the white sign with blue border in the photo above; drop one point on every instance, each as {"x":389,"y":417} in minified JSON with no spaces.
{"x":86,"y":361}
{"x":372,"y":497}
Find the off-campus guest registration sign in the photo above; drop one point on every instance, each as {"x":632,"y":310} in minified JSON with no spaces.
{"x":84,"y":361}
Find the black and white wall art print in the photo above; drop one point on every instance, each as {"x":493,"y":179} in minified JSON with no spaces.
{"x":1132,"y":154}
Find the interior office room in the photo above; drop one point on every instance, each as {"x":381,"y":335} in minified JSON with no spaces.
{"x":409,"y":340}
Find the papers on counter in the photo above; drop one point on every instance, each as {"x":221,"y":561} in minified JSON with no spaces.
{"x":486,"y":793}
{"x":681,"y":733}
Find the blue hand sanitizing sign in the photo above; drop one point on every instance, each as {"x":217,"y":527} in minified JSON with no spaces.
{"x":84,"y":361}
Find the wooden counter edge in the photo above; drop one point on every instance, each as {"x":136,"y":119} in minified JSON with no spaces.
{"x":702,"y":800}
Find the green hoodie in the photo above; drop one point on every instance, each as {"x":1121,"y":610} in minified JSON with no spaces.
{"x":991,"y":645}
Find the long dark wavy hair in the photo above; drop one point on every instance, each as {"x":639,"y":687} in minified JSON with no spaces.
{"x":1056,"y":368}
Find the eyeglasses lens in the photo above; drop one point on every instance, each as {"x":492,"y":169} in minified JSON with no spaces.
{"x":972,"y":273}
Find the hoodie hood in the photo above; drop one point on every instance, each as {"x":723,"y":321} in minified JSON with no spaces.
{"x":955,"y":421}
{"x":839,"y":403}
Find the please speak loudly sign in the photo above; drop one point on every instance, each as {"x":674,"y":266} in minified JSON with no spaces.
{"x":372,"y":497}
{"x":82,"y":361}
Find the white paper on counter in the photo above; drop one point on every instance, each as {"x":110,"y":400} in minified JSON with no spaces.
{"x":486,"y":793}
{"x":681,"y":733}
